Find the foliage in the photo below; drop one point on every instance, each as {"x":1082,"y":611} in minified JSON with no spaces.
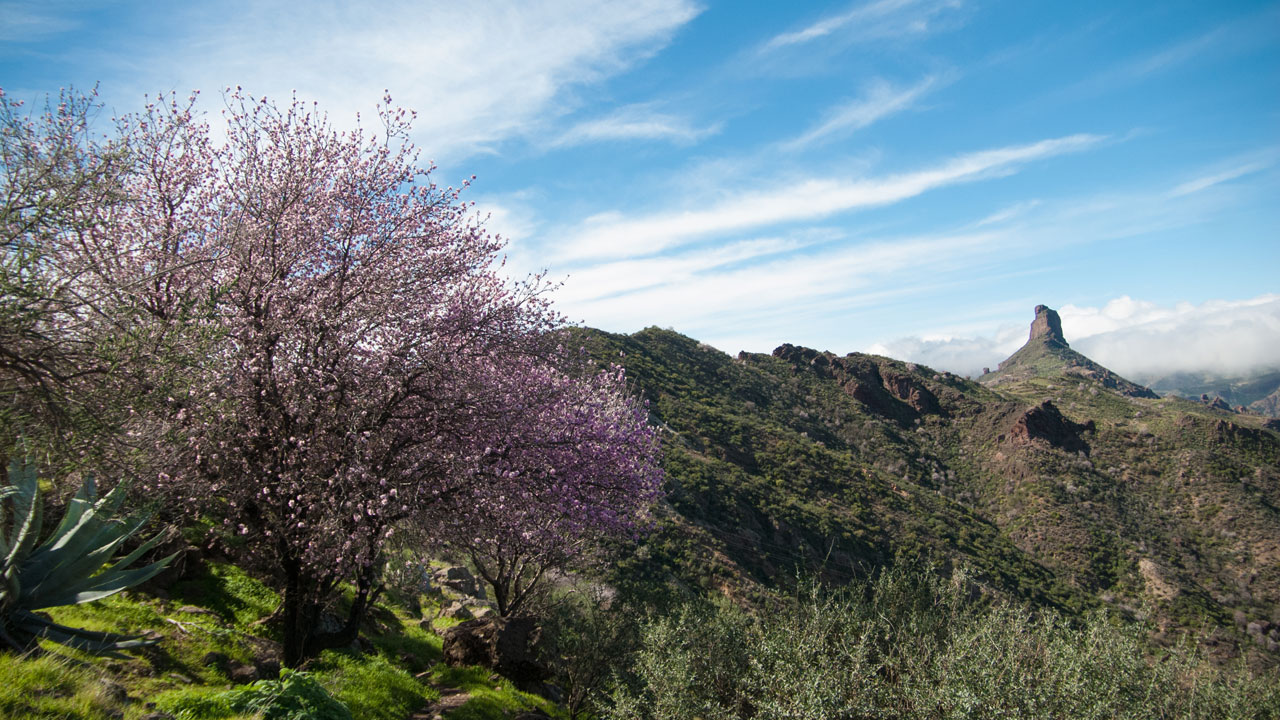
{"x":67,"y":568}
{"x":911,"y":646}
{"x":589,"y":637}
{"x":578,"y":468}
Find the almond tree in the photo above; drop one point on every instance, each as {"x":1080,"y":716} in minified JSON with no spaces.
{"x":577,"y":466}
{"x":366,"y":359}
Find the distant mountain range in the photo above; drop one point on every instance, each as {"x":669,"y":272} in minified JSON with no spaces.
{"x":1052,"y":479}
{"x":1257,"y":392}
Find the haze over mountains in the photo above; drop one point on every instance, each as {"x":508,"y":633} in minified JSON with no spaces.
{"x":1052,"y":478}
{"x":1195,"y":348}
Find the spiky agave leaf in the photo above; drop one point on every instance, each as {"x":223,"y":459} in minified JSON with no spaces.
{"x":24,"y":528}
{"x":67,"y":568}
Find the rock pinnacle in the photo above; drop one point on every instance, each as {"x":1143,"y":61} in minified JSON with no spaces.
{"x":1047,"y":325}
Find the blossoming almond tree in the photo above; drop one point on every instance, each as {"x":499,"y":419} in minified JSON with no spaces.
{"x":576,"y":466}
{"x":368,"y":358}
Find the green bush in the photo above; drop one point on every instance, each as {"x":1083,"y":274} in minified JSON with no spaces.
{"x":911,"y":645}
{"x":295,"y":696}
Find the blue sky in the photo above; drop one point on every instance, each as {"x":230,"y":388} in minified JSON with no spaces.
{"x":903,"y":176}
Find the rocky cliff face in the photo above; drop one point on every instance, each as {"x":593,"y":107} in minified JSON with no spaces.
{"x":1047,"y":327}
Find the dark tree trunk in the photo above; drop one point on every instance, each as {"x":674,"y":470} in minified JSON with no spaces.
{"x":302,"y":610}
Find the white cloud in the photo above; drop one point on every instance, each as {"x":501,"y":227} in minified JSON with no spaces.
{"x":1262,"y":161}
{"x":1136,"y":338}
{"x":614,"y":236}
{"x":476,"y":73}
{"x":962,"y":355}
{"x":884,"y":18}
{"x":880,"y":101}
{"x":635,"y":122}
{"x":1144,"y":338}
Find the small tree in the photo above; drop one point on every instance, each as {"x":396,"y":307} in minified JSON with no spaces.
{"x":56,"y":183}
{"x":368,"y":358}
{"x":90,"y":334}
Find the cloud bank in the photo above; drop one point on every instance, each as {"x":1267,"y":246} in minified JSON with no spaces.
{"x":1137,"y":338}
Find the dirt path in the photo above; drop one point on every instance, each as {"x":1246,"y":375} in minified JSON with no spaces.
{"x":450,"y":699}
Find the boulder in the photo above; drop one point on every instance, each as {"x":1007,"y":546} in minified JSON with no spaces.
{"x":507,"y":645}
{"x":457,"y":610}
{"x":242,"y":674}
{"x":459,"y":579}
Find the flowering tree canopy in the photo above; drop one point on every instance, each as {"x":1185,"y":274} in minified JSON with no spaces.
{"x":362,"y":362}
{"x":575,"y":466}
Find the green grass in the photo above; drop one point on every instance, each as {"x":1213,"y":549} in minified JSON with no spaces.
{"x":371,"y":686}
{"x":490,"y":699}
{"x":53,"y":687}
{"x":230,"y":592}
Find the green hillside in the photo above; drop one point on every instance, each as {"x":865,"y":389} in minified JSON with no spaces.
{"x":1053,"y":480}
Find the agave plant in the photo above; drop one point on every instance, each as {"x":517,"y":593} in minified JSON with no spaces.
{"x":67,"y":568}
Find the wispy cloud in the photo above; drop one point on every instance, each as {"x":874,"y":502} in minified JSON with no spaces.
{"x":477,"y":73}
{"x":1248,"y":31}
{"x":28,"y":21}
{"x":878,"y":102}
{"x":635,"y":122}
{"x":771,"y":291}
{"x":1260,"y":161}
{"x":883,"y":18}
{"x":1006,"y":214}
{"x":1175,"y":54}
{"x":613,"y":236}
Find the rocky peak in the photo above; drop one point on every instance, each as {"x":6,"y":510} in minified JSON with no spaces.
{"x":1048,"y":326}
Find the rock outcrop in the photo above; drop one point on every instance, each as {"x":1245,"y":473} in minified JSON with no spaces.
{"x":1044,"y":423}
{"x":1047,"y":327}
{"x":508,"y":646}
{"x":880,"y":385}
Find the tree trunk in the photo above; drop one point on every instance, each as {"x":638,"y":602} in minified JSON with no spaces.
{"x":302,"y":610}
